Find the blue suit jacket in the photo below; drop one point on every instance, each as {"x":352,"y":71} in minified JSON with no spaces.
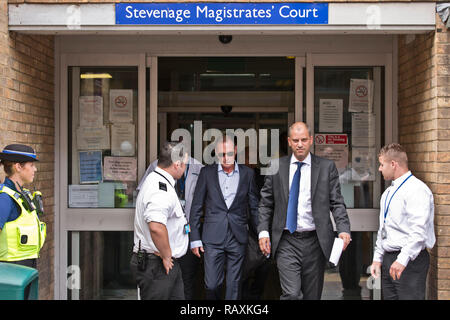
{"x":218,"y":218}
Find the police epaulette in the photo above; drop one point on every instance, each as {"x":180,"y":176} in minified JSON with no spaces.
{"x":162,"y":186}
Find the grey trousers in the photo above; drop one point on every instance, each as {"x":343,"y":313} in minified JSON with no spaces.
{"x":154,"y":283}
{"x":412,"y":282}
{"x":301,"y":266}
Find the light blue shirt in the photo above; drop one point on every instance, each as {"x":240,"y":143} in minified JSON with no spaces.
{"x":229,"y":183}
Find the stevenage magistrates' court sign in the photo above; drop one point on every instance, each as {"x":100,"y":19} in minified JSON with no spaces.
{"x":221,"y":13}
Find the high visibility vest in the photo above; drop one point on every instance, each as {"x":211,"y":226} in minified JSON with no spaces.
{"x":24,"y":237}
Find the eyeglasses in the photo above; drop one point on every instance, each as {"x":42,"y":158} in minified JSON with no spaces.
{"x":228,"y":154}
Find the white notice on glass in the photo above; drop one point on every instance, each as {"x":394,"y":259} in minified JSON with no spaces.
{"x":91,"y":111}
{"x":121,"y":105}
{"x":363,"y":129}
{"x":336,"y":252}
{"x":123,"y":139}
{"x":330,"y":115}
{"x":83,"y":196}
{"x":361,"y":95}
{"x":89,"y":138}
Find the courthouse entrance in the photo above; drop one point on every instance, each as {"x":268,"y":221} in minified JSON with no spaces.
{"x":202,"y":93}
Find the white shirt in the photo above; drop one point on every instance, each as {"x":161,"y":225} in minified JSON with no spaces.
{"x":158,"y":205}
{"x":305,"y":220}
{"x":409,"y":220}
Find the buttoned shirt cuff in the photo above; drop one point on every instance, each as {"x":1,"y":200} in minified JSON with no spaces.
{"x":196,"y":244}
{"x":403,"y":258}
{"x":263,"y":234}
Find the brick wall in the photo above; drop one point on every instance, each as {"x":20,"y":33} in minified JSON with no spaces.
{"x":424,"y":119}
{"x":27,"y":117}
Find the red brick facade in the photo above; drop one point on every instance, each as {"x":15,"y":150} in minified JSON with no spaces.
{"x":27,"y":116}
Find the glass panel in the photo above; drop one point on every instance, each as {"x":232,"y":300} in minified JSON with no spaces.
{"x":226,"y":74}
{"x":350,"y":279}
{"x":348,"y":103}
{"x":103,"y":104}
{"x":226,"y":88}
{"x":104,"y":269}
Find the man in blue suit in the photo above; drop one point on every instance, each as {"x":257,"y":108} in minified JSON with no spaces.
{"x":226,"y":191}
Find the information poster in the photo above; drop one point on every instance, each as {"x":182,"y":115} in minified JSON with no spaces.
{"x":91,"y":111}
{"x":363,"y":164}
{"x":123,"y":139}
{"x":90,"y":166}
{"x":83,"y":196}
{"x":120,"y":168}
{"x":121,"y":105}
{"x":361,"y":95}
{"x":363,"y":130}
{"x":92,"y":138}
{"x":331,"y":115}
{"x":333,"y":147}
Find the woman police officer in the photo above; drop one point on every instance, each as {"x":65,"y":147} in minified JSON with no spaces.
{"x":22,"y":234}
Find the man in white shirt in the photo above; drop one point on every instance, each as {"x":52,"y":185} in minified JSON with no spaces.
{"x":294,"y":217}
{"x":406,"y":229}
{"x":161,"y":229}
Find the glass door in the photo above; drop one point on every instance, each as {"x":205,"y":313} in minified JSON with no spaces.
{"x":347,"y":107}
{"x":103,"y":154}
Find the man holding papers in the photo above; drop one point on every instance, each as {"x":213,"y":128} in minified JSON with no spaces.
{"x":295,"y":208}
{"x":406,"y":229}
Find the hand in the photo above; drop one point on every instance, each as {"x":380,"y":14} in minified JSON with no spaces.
{"x":168,"y":264}
{"x":197,"y":250}
{"x":264,"y":245}
{"x":346,"y":238}
{"x":396,"y":270}
{"x":375,"y":269}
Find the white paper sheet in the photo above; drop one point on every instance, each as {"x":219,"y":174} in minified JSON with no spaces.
{"x":336,"y":252}
{"x":331,"y":115}
{"x":121,"y":105}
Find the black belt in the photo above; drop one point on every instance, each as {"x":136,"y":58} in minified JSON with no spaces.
{"x":301,"y":234}
{"x":152,"y":255}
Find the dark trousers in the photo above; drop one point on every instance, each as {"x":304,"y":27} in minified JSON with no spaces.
{"x":190,"y":265}
{"x":231,"y":253}
{"x":301,"y":266}
{"x":32,"y":263}
{"x":412,"y":282}
{"x":154,"y":283}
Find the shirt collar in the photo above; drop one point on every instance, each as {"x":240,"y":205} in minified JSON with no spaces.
{"x":400,"y":179}
{"x":8,"y":182}
{"x":236,"y":168}
{"x":167,"y":175}
{"x":307,"y":160}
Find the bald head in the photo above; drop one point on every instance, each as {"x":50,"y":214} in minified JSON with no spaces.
{"x":300,"y":140}
{"x":298,"y":126}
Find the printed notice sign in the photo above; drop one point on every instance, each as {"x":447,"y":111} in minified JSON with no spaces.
{"x":331,"y":115}
{"x":221,"y":13}
{"x":120,"y":168}
{"x":333,"y":147}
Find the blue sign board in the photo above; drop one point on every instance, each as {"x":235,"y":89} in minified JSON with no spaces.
{"x":286,"y":13}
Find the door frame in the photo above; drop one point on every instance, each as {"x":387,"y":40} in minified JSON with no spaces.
{"x":71,"y":219}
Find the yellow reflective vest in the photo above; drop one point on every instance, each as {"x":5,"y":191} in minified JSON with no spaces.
{"x":24,"y":237}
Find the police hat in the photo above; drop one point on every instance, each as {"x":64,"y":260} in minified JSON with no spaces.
{"x":18,"y":153}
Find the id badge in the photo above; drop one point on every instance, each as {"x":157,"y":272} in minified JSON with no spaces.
{"x":383,"y":233}
{"x":187,"y":228}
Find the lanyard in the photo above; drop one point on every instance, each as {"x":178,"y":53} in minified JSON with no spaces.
{"x":387,"y":209}
{"x":182,"y":182}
